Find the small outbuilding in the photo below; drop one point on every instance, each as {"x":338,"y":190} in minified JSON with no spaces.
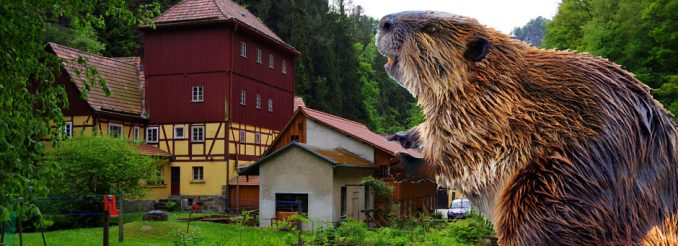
{"x":321,"y":184}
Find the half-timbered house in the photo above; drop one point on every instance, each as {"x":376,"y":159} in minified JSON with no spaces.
{"x":213,"y":87}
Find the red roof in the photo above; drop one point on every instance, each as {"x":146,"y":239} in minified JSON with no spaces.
{"x":209,"y":11}
{"x":358,"y":131}
{"x":245,"y":180}
{"x":352,"y":129}
{"x":152,"y":150}
{"x":121,"y":76}
{"x":298,"y":102}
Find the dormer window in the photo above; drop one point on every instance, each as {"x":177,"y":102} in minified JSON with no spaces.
{"x":243,"y":49}
{"x":284,"y":67}
{"x":259,"y":56}
{"x":198,"y":94}
{"x":271,"y":62}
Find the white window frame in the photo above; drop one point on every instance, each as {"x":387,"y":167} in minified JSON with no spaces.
{"x":198,"y":93}
{"x":201,"y":173}
{"x":284,"y":67}
{"x":271,"y":61}
{"x":122,"y":129}
{"x":258,"y":104}
{"x":160,"y":175}
{"x":136,"y":133}
{"x":259,"y":56}
{"x":270,"y":105}
{"x":148,"y":134}
{"x":243,"y":49}
{"x":68,"y":129}
{"x":257,"y":138}
{"x":243,"y":97}
{"x":183,"y":132}
{"x":197,"y":137}
{"x":242,"y":136}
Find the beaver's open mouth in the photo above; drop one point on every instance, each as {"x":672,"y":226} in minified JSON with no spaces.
{"x":392,"y":65}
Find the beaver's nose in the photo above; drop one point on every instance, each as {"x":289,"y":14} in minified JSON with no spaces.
{"x":387,"y":22}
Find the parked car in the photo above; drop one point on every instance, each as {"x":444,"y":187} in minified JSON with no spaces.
{"x":459,"y":209}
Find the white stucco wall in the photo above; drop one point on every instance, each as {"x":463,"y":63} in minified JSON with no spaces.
{"x":297,"y":171}
{"x":327,"y":138}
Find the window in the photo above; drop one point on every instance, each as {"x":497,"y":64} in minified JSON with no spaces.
{"x":291,"y":203}
{"x":270,"y":105}
{"x":243,"y":98}
{"x":68,"y":129}
{"x":243,"y":49}
{"x":198,"y":94}
{"x":114,"y":130}
{"x":137,"y":133}
{"x":198,"y":134}
{"x":198,"y":174}
{"x":152,"y":135}
{"x":242,"y":136}
{"x":270,"y":61}
{"x":179,"y":132}
{"x":294,"y":138}
{"x":159,"y":176}
{"x":259,"y":56}
{"x":258,"y":101}
{"x":284,"y":67}
{"x":257,"y":138}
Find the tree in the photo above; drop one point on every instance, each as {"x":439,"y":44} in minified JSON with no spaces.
{"x":532,"y":32}
{"x":30,"y":101}
{"x":338,"y":71}
{"x":100,"y":165}
{"x":93,"y":165}
{"x":639,"y":35}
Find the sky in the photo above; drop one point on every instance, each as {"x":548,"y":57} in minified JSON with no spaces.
{"x":503,"y":15}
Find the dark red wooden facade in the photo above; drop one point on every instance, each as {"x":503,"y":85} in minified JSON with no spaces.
{"x":178,"y":58}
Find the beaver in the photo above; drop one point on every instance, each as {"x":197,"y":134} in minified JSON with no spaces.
{"x":553,"y":147}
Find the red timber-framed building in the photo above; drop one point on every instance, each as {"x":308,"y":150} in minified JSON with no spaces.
{"x":219,"y":87}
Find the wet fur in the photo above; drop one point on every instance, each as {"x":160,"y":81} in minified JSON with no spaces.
{"x":554,"y":147}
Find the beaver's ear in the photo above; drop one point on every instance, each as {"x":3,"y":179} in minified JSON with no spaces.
{"x":476,"y":49}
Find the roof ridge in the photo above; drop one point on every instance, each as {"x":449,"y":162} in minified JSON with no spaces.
{"x":221,"y":10}
{"x":168,"y":10}
{"x":87,"y":53}
{"x":335,"y":116}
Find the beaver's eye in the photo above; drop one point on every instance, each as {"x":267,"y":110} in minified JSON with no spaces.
{"x":431,"y":29}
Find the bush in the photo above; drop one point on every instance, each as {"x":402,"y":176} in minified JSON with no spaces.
{"x":352,"y":231}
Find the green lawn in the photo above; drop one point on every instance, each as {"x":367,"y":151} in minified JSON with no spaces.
{"x":161,"y":233}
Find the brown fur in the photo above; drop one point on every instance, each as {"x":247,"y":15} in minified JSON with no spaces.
{"x":554,"y":147}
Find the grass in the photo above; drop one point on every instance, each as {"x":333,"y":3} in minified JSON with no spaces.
{"x":162,"y":233}
{"x":469,"y":231}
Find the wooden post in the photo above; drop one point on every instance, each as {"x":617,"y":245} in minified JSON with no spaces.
{"x":121,"y":216}
{"x":2,"y":232}
{"x":42,"y":231}
{"x":107,"y":218}
{"x":299,"y":226}
{"x":18,"y":218}
{"x":188,"y":225}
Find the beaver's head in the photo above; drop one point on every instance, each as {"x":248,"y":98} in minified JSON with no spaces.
{"x":431,"y":51}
